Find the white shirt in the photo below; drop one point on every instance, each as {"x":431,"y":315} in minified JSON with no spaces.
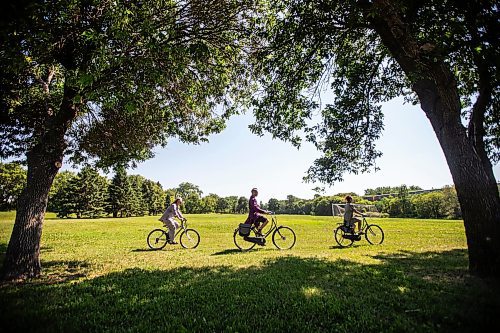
{"x":348,"y":212}
{"x":170,"y":212}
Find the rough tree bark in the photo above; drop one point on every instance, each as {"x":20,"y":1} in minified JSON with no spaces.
{"x":22,"y":259}
{"x":469,"y":166}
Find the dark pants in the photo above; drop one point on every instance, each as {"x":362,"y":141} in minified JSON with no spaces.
{"x":259,"y":220}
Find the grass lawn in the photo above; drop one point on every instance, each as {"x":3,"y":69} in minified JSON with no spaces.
{"x":98,"y":275}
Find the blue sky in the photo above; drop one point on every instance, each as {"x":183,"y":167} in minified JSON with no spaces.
{"x":235,"y":160}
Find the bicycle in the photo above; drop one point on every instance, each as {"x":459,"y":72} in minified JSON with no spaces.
{"x":344,"y":235}
{"x":189,"y":238}
{"x":283,"y":237}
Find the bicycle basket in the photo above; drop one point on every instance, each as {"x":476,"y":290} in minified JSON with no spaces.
{"x":244,"y":229}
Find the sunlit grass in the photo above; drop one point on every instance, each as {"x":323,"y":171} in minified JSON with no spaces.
{"x":99,"y":275}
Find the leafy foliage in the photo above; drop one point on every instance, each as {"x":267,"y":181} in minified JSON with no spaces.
{"x":242,"y":205}
{"x":390,"y":189}
{"x":311,"y":46}
{"x":12,"y":182}
{"x":433,"y":205}
{"x":134,"y":72}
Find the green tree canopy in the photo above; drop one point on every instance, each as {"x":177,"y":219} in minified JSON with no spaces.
{"x":389,"y":189}
{"x":12,"y":182}
{"x":242,"y":205}
{"x":133,"y":72}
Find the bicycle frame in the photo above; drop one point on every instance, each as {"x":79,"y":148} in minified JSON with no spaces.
{"x":364,"y":224}
{"x":274,"y":226}
{"x":373,"y":233}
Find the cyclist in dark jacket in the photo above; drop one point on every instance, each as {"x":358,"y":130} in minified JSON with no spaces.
{"x":254,"y":214}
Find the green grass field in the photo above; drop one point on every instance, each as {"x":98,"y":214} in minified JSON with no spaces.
{"x":98,"y":275}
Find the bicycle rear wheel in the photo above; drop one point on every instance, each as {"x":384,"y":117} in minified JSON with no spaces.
{"x":284,"y":238}
{"x":374,"y":234}
{"x":340,"y":239}
{"x":241,"y":243}
{"x":157,"y":239}
{"x":189,"y":239}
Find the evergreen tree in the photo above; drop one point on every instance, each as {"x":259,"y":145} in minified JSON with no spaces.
{"x":59,"y":195}
{"x":170,"y":196}
{"x":119,"y":193}
{"x":137,"y":203}
{"x":83,"y":195}
{"x":157,"y":199}
{"x":66,"y":198}
{"x":152,"y":194}
{"x":91,"y":193}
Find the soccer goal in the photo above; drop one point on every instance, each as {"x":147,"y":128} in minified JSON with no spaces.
{"x":369,"y":210}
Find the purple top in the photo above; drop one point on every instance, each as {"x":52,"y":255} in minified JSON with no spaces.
{"x":254,"y":210}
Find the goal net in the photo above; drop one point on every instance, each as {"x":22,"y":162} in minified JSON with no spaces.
{"x":369,"y":210}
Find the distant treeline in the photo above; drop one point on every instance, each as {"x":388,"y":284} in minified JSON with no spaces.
{"x":89,"y":194}
{"x":433,"y":205}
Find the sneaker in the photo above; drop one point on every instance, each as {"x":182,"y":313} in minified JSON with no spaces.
{"x":173,"y":243}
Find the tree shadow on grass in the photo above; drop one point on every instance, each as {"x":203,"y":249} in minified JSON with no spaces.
{"x":338,"y":247}
{"x":144,"y":250}
{"x":168,"y":247}
{"x":63,"y":271}
{"x":226,"y":252}
{"x":421,"y":292}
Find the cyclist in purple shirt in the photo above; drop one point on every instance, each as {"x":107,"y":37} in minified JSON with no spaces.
{"x":254,"y":216}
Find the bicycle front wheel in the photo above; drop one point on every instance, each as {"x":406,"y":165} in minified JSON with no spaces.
{"x":284,"y":238}
{"x":374,"y":234}
{"x":157,"y":239}
{"x":190,"y":239}
{"x":241,"y":243}
{"x":340,"y":239}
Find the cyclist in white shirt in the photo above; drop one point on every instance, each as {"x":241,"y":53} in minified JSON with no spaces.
{"x":349,"y":210}
{"x":168,"y":219}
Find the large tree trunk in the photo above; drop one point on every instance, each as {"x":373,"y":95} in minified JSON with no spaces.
{"x":23,"y":253}
{"x":475,"y":185}
{"x":22,"y":259}
{"x":470,"y":168}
